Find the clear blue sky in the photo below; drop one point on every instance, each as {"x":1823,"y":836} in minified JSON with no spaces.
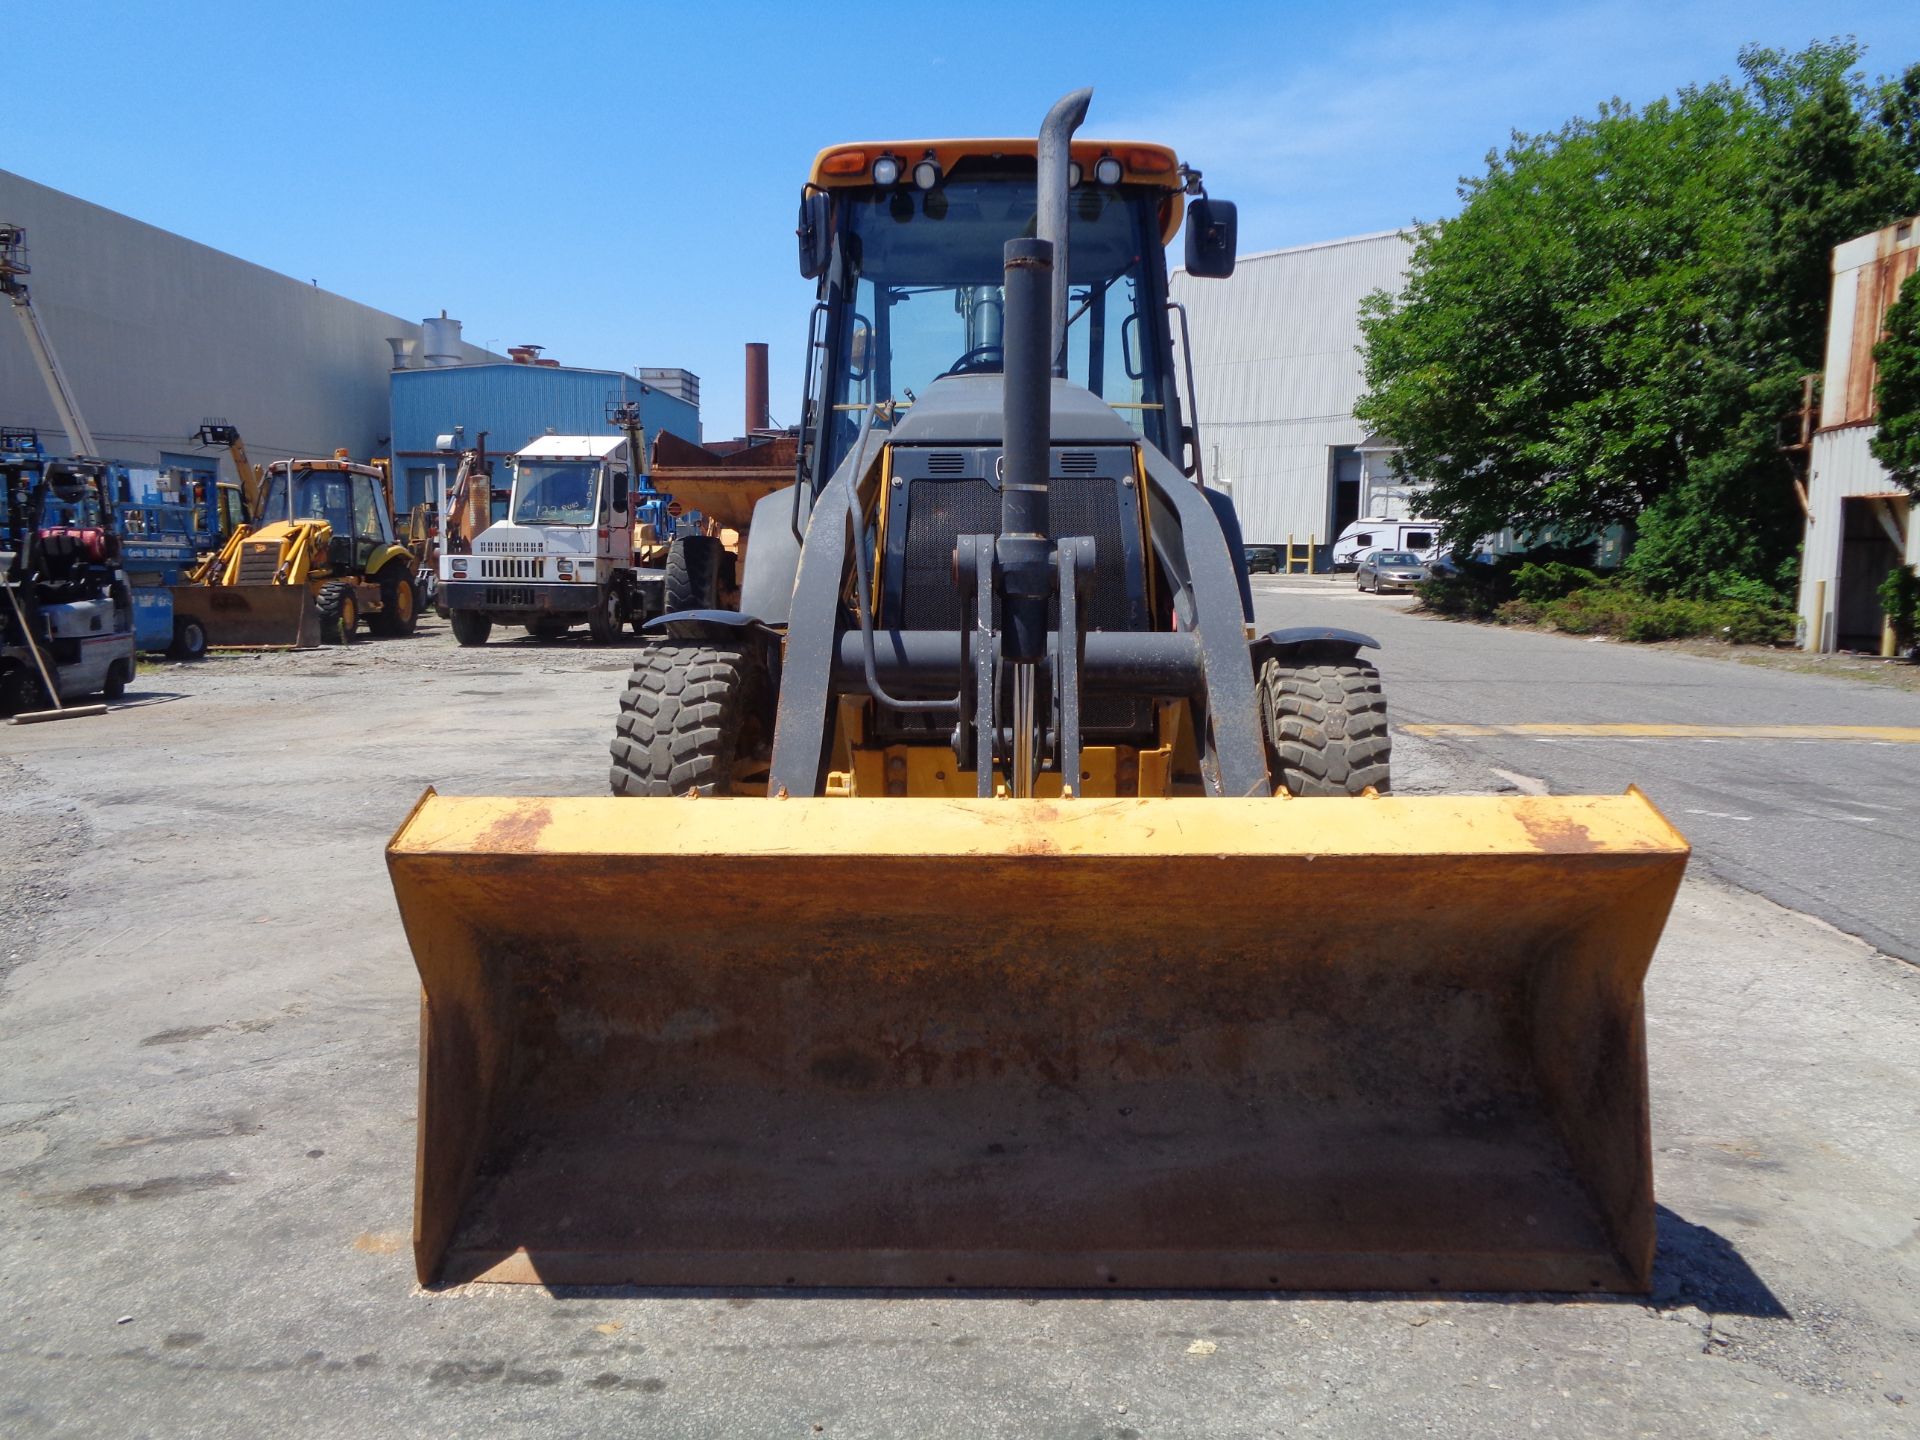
{"x":618,"y":181}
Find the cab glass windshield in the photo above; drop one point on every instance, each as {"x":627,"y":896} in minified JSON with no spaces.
{"x":317,"y":495}
{"x":926,"y":276}
{"x":555,"y":493}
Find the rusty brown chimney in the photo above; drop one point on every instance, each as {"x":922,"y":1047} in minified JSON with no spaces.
{"x":757,"y":416}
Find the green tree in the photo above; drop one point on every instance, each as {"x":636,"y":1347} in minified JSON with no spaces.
{"x":1613,"y":326}
{"x":1896,"y":390}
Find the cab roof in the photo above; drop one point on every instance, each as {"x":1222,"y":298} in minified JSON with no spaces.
{"x":1142,"y":163}
{"x":571,"y":447}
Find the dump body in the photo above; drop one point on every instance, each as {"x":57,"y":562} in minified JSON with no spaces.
{"x":1132,"y":1043}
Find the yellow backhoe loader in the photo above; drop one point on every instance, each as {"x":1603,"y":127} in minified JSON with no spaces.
{"x":319,"y":556}
{"x":977,"y":904}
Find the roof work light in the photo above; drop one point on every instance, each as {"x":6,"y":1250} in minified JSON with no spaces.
{"x":886,"y":170}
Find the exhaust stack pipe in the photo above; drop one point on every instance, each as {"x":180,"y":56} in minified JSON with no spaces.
{"x":1050,"y":220}
{"x":1034,"y":351}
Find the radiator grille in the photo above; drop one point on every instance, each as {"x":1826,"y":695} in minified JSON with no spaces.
{"x":939,"y":511}
{"x":259,"y":561}
{"x":947,"y":462}
{"x":510,"y":597}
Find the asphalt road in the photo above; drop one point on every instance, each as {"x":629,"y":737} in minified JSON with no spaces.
{"x":1828,"y":827}
{"x":208,"y":1032}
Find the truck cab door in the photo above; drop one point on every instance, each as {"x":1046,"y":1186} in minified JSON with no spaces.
{"x":617,"y":517}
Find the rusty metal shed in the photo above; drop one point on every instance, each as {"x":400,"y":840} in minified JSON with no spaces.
{"x":1859,"y":522}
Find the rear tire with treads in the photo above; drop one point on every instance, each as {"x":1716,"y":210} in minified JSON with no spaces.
{"x":1326,"y":722}
{"x":693,"y":573}
{"x":691,"y":718}
{"x":399,"y":602}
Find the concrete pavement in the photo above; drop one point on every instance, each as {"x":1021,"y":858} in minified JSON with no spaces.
{"x":1830,"y":827}
{"x":207,"y":1088}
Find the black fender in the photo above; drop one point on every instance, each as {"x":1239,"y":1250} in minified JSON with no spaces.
{"x":723,"y":627}
{"x":1300,"y":638}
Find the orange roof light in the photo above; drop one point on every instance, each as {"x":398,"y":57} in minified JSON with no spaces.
{"x":845,"y":162}
{"x":1148,"y":162}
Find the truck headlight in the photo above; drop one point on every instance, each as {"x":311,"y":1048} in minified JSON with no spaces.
{"x":564,"y":569}
{"x":459,"y":569}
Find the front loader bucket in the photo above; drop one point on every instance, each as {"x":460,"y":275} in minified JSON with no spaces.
{"x":251,"y":617}
{"x":1327,"y":1044}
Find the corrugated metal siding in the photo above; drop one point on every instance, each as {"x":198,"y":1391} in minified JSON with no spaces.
{"x":1867,"y":276}
{"x":1277,"y":366}
{"x":158,"y":332}
{"x":515,"y":403}
{"x":1842,"y":466}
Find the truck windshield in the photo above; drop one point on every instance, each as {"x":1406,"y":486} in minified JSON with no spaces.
{"x":925,"y":294}
{"x":317,"y":495}
{"x":555,"y":492}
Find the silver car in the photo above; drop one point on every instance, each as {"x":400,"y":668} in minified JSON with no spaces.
{"x":1390,"y":570}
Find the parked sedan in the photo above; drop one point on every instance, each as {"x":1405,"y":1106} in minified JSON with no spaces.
{"x":1390,"y":570}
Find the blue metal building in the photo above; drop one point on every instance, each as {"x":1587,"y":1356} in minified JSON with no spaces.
{"x":512,"y":403}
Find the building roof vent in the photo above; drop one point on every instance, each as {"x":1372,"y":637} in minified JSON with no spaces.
{"x":440,"y":340}
{"x":405,"y":348}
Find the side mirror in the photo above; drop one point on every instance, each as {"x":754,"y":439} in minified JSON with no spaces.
{"x":815,"y":233}
{"x":1213,"y":238}
{"x":619,"y":492}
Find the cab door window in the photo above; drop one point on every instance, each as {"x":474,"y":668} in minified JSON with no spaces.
{"x":367,"y":530}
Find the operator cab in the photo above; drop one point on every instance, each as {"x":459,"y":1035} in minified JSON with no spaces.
{"x":907,"y":241}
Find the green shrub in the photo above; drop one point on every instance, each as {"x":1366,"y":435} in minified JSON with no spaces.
{"x":1469,"y":594}
{"x":1519,"y":612}
{"x":1671,"y":619}
{"x":1900,"y":599}
{"x":1744,"y":624}
{"x":1551,"y":581}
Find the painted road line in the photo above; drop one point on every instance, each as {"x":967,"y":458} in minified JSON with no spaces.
{"x":1871,"y":734}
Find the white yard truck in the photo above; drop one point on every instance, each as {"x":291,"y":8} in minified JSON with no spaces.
{"x":565,"y":555}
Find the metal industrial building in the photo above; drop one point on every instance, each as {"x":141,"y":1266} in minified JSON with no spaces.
{"x":510,"y":404}
{"x":158,"y":333}
{"x":1276,"y":358}
{"x":1859,"y":522}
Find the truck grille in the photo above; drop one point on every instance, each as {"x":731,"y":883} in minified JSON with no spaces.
{"x":512,"y":567}
{"x":510,"y":597}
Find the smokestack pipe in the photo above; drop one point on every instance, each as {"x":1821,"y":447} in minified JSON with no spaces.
{"x":1050,"y":220}
{"x":758,"y":416}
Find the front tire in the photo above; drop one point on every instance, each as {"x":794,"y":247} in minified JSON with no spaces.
{"x":339,"y":611}
{"x":692,"y":718}
{"x":471,"y":627}
{"x":1325,"y":718}
{"x":602,"y":624}
{"x":189,"y":639}
{"x":119,"y":673}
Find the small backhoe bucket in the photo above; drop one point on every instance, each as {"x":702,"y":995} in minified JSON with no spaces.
{"x":251,"y":617}
{"x":1323,"y":1044}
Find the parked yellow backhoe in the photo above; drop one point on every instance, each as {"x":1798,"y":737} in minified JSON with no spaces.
{"x":986,"y":901}
{"x":319,"y":556}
